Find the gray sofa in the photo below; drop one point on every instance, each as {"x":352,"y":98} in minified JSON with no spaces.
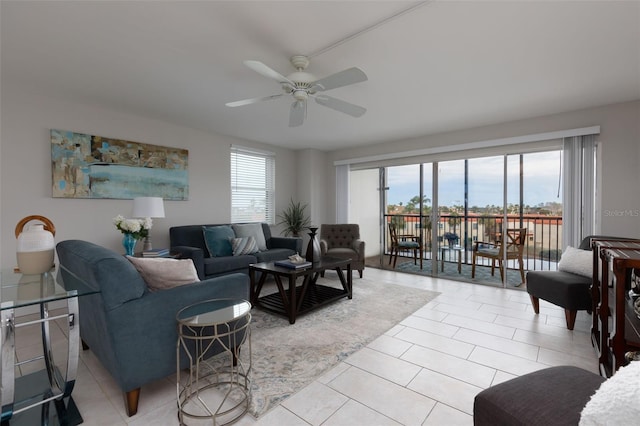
{"x":189,"y":242}
{"x":131,"y":330}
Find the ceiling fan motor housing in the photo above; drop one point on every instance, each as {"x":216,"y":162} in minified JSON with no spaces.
{"x":301,"y":94}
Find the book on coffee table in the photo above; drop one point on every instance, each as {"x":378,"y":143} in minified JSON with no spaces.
{"x":289,"y":264}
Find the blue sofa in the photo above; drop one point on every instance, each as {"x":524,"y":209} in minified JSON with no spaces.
{"x":131,"y":330}
{"x":188,"y":241}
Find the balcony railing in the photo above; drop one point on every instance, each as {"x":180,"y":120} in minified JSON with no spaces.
{"x":542,"y":247}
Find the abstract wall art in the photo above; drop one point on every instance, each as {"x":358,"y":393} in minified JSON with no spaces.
{"x":88,"y":166}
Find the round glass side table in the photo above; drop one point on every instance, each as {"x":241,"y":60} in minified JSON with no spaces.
{"x":215,"y":385}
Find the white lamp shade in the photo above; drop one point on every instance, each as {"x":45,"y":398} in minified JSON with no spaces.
{"x":148,"y":207}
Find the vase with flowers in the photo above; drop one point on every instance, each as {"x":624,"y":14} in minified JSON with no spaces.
{"x":133,"y":230}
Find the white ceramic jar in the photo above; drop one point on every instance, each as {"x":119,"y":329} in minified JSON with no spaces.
{"x":35,"y":250}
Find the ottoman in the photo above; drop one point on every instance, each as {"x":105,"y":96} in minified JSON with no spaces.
{"x":552,"y":396}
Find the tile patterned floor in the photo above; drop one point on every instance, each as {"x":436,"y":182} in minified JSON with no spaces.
{"x":424,"y":371}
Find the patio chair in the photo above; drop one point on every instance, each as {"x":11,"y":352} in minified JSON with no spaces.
{"x":511,"y":247}
{"x":404,"y":242}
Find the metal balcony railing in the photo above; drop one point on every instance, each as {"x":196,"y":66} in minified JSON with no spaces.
{"x":542,"y":248}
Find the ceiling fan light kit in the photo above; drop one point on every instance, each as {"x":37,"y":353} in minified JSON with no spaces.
{"x":302,"y":85}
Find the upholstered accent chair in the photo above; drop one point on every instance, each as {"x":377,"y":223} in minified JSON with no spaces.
{"x":571,"y":291}
{"x":343,"y":240}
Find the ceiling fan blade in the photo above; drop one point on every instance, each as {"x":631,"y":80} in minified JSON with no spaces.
{"x":340,"y":105}
{"x":253,"y":100}
{"x":296,"y":116}
{"x":261,"y":68}
{"x":339,"y":79}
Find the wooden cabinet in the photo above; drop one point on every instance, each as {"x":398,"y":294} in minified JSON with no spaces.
{"x":615,"y":329}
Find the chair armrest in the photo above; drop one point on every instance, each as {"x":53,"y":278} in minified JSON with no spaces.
{"x":358,"y":246}
{"x":195,"y":254}
{"x":484,"y":243}
{"x":292,"y":243}
{"x":324,"y":247}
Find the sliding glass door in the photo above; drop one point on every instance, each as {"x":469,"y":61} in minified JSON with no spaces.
{"x":455,"y":207}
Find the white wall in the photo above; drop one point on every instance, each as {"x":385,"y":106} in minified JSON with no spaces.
{"x":364,"y":207}
{"x":312,"y":190}
{"x":620,"y":148}
{"x":25,"y":171}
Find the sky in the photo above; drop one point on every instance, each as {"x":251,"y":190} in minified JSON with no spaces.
{"x":541,"y":180}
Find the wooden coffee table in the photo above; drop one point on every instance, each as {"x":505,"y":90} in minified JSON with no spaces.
{"x":295,"y":300}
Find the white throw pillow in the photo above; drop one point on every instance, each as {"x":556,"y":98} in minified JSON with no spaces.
{"x":251,"y":230}
{"x":164,"y":273}
{"x":576,"y":261}
{"x":616,"y":400}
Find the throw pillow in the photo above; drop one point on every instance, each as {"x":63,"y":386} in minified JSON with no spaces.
{"x":244,"y":245}
{"x":251,"y":230}
{"x":216,"y":238}
{"x":163,"y":273}
{"x":576,"y":261}
{"x":616,"y":400}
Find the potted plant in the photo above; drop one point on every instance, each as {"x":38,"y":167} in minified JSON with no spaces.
{"x":294,"y":219}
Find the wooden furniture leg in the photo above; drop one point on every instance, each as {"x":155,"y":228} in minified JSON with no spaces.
{"x":570,"y":316}
{"x":131,"y":399}
{"x":535,"y":302}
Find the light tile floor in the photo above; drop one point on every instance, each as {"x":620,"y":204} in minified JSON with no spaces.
{"x":424,"y":371}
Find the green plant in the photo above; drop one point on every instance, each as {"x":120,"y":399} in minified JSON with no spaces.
{"x":294,"y":218}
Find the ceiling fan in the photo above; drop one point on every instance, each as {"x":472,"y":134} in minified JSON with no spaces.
{"x":302,"y":85}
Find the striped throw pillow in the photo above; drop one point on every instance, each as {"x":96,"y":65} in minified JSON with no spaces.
{"x":244,"y":245}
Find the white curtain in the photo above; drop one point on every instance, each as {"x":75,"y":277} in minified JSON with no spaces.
{"x":578,"y":201}
{"x":342,"y":193}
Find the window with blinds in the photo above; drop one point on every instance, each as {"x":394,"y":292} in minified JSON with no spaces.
{"x":252,"y":185}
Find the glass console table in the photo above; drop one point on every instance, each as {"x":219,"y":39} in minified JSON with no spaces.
{"x":49,"y":389}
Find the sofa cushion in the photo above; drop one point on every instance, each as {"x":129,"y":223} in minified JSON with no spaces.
{"x":576,"y":261}
{"x":218,"y":240}
{"x":224,"y":265}
{"x":251,"y":230}
{"x":244,"y":245}
{"x":164,"y":273}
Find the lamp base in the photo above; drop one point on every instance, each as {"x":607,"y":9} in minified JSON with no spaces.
{"x":147,"y":244}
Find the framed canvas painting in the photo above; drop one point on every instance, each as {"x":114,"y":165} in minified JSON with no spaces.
{"x":88,"y":166}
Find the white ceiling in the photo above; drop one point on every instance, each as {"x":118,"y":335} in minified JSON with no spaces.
{"x":445,"y":65}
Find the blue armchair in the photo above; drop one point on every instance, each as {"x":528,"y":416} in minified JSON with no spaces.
{"x":131,"y":330}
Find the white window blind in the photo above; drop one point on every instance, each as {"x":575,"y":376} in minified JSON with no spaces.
{"x":578,"y":177}
{"x":252,"y":185}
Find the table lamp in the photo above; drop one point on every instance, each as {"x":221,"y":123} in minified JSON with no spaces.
{"x":152,"y":207}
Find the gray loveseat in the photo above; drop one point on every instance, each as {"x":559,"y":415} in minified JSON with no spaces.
{"x":189,"y":242}
{"x":131,"y":330}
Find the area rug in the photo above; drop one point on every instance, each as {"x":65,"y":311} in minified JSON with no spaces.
{"x":483,"y":273}
{"x":286,"y":357}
